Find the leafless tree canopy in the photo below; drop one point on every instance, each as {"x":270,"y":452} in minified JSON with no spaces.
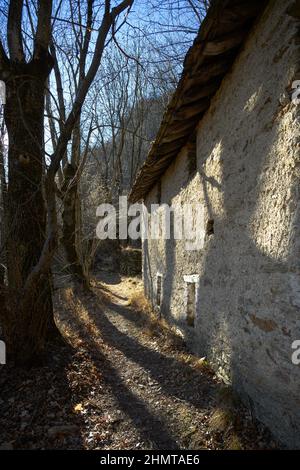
{"x":87,"y":83}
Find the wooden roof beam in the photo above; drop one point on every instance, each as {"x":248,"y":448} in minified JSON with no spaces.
{"x":192,"y":110}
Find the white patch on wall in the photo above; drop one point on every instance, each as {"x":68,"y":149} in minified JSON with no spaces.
{"x":253,"y":100}
{"x":191,"y":298}
{"x":2,"y":353}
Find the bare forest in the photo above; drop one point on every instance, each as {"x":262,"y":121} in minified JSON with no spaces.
{"x":90,"y":363}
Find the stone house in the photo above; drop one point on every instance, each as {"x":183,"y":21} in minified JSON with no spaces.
{"x":229,"y":139}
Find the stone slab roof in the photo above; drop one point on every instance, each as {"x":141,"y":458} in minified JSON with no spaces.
{"x":220,"y":37}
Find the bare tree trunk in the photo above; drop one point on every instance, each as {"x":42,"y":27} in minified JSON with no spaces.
{"x":2,"y":222}
{"x":3,"y":190}
{"x":71,"y":215}
{"x":71,"y":223}
{"x":27,"y":323}
{"x":30,"y":245}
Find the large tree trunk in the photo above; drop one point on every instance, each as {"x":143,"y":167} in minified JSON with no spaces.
{"x":2,"y":225}
{"x":30,"y":315}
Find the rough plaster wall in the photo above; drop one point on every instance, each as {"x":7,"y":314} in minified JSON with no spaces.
{"x":170,"y":257}
{"x":252,"y":264}
{"x":149,"y":267}
{"x":248,"y":172}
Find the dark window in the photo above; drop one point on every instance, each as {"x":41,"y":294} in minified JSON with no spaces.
{"x":192,"y":160}
{"x":210,"y":227}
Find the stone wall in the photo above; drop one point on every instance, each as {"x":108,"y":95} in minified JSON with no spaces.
{"x":248,"y":172}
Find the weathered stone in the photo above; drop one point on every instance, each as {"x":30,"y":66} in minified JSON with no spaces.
{"x":247,"y":178}
{"x":265,"y":325}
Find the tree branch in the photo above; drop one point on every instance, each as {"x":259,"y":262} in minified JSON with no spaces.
{"x":86,"y":41}
{"x":14,"y":31}
{"x":4,"y":62}
{"x":43,"y":32}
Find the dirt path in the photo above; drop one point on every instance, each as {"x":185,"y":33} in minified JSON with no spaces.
{"x":127,"y":383}
{"x":151,"y":392}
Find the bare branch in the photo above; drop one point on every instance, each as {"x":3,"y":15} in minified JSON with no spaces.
{"x":43,"y":32}
{"x":87,"y":38}
{"x":116,"y":11}
{"x":4,"y":62}
{"x":104,"y":29}
{"x":14,"y":31}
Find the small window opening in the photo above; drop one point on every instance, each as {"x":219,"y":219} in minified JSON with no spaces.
{"x":210,"y":229}
{"x":158,"y":289}
{"x":191,"y":303}
{"x":192,"y":161}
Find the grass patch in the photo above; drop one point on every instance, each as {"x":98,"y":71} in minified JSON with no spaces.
{"x":153,"y":325}
{"x":221,"y":420}
{"x":234,"y":442}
